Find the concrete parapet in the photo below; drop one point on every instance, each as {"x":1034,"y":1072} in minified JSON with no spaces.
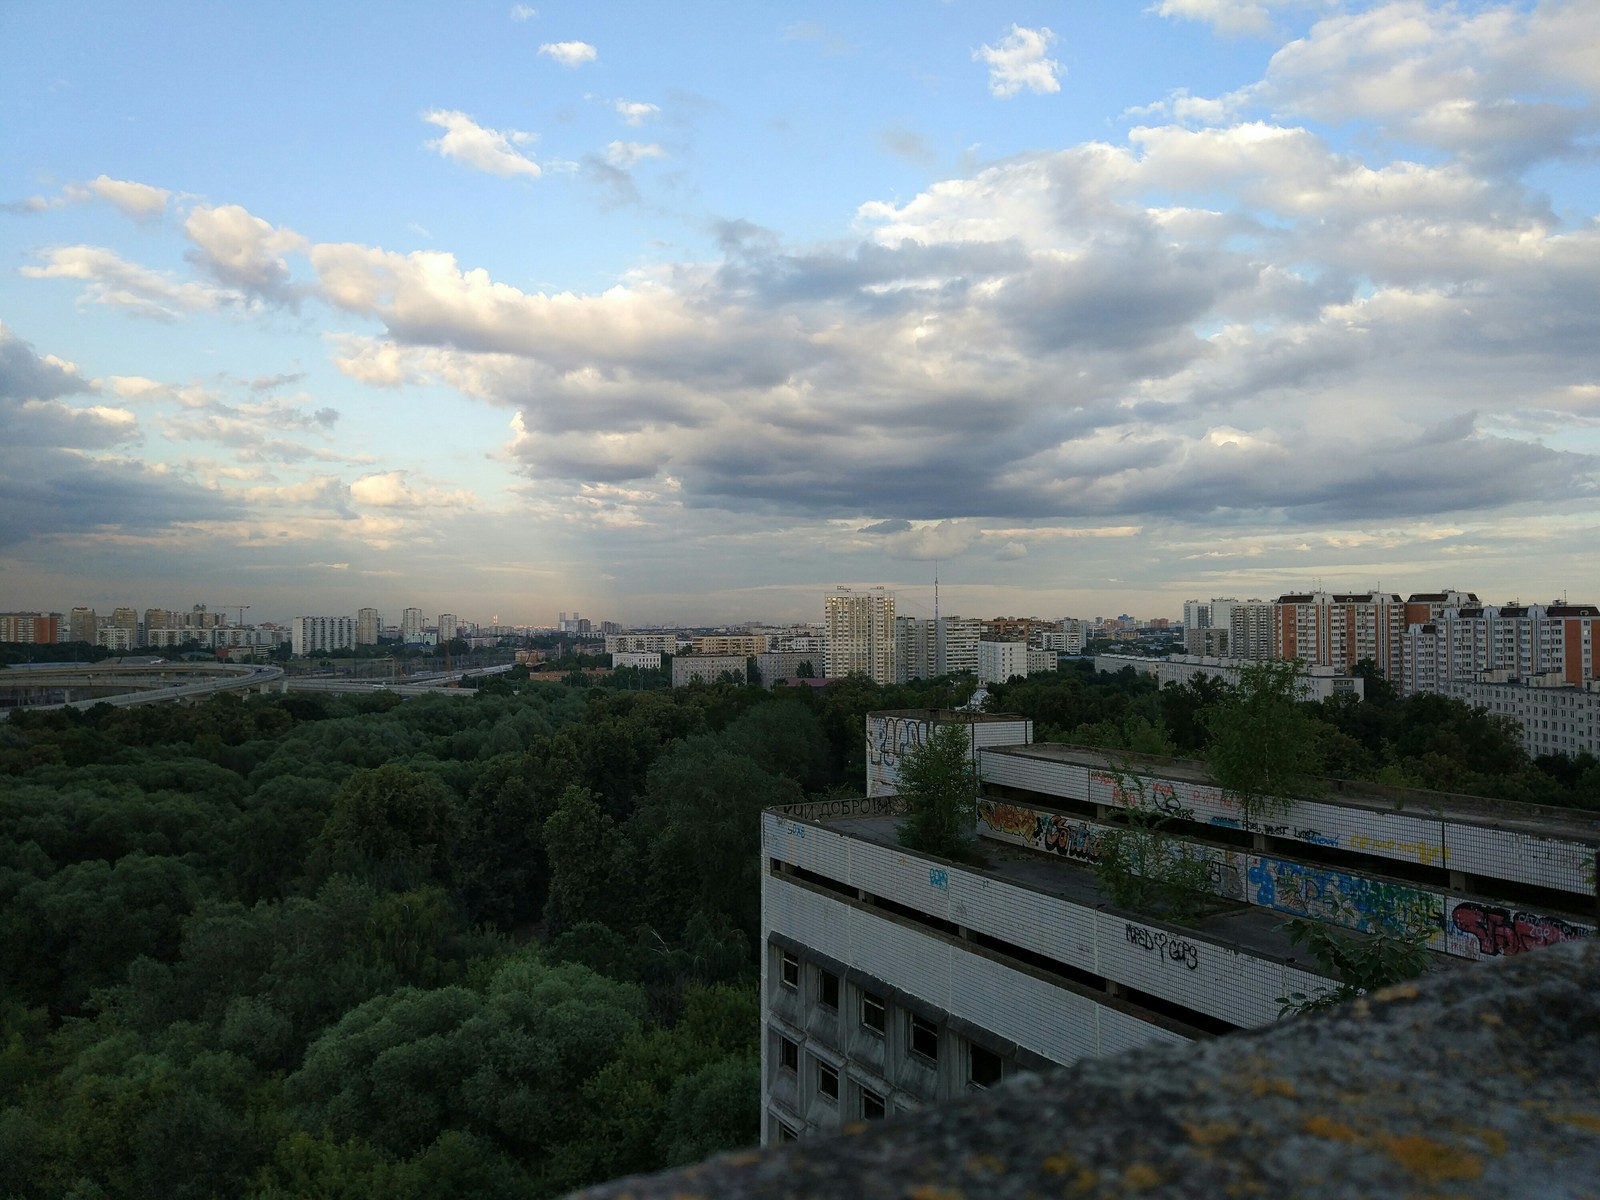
{"x":1476,"y":1083}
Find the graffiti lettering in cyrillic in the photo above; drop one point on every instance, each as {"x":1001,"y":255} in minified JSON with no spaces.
{"x":857,"y":806}
{"x":1163,"y":944}
{"x":1499,"y":931}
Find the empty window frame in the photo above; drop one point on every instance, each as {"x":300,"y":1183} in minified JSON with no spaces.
{"x":827,"y":989}
{"x":828,"y":1080}
{"x":871,"y":1105}
{"x":872,"y":1012}
{"x":788,"y":1054}
{"x":786,"y":1133}
{"x":788,"y":969}
{"x":983,"y":1066}
{"x":924,"y":1037}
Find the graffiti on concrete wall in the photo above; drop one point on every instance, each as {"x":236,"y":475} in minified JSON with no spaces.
{"x":1168,"y":947}
{"x":887,"y":739}
{"x":1479,"y":930}
{"x":1050,"y":832}
{"x":1351,"y":901}
{"x":1079,"y":840}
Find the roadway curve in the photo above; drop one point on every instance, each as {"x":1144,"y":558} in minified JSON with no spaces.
{"x":146,"y":683}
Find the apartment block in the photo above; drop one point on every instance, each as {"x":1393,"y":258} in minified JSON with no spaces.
{"x":369,"y":626}
{"x":999,"y":661}
{"x":747,"y":644}
{"x":33,"y":628}
{"x":645,"y":660}
{"x":626,"y":643}
{"x":861,"y":634}
{"x":319,"y":635}
{"x":1340,"y":629}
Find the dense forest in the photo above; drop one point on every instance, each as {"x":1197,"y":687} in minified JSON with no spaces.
{"x":299,"y":945}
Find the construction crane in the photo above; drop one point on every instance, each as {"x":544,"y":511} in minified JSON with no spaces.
{"x":242,"y":608}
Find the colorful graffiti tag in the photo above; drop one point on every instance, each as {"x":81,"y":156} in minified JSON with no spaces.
{"x":1352,"y":901}
{"x":1500,"y":931}
{"x":1050,"y":832}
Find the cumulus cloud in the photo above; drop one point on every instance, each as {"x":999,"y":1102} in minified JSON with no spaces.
{"x":1233,"y":17}
{"x":392,"y":489}
{"x":625,"y":154}
{"x":111,"y":279}
{"x":1019,"y":61}
{"x":634,"y":112}
{"x":482,"y":149}
{"x":569,"y":54}
{"x":140,"y":201}
{"x":58,"y":471}
{"x":244,"y":252}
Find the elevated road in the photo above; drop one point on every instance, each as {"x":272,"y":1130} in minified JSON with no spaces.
{"x":122,"y":684}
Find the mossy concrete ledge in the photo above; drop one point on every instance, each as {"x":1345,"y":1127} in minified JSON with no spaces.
{"x":1481,"y":1082}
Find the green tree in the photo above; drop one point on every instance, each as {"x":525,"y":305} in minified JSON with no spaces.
{"x":1263,"y":748}
{"x":1362,"y":962}
{"x":940,"y":787}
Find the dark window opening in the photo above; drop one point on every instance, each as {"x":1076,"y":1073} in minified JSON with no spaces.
{"x":828,"y":1080}
{"x":871,"y":1106}
{"x":828,"y":989}
{"x":872,"y":1012}
{"x":924,"y":1038}
{"x":983,"y":1066}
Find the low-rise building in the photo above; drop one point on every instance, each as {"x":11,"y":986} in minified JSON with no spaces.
{"x":1316,"y":683}
{"x":709,"y":668}
{"x":645,"y":660}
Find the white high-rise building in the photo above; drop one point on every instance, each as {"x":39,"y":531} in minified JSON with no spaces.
{"x":369,"y":625}
{"x":411,"y":625}
{"x":449,"y":623}
{"x":861,"y":634}
{"x":958,"y":645}
{"x":318,"y":635}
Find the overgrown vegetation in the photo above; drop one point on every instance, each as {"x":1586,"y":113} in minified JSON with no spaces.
{"x":1145,"y":868}
{"x":1361,"y":962}
{"x":940,"y":787}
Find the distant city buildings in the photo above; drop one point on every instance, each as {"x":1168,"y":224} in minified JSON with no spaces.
{"x":369,"y":626}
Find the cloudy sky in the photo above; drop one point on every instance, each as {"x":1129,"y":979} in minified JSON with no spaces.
{"x":688,"y":312}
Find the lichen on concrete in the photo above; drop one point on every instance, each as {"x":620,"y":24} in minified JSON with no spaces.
{"x":1483,"y":1082}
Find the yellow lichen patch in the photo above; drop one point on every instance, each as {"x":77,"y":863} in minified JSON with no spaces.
{"x":1211,"y":1133}
{"x":1582,"y":1120}
{"x":1271,"y":1087}
{"x":929,"y":1191}
{"x":1490,"y":1018}
{"x":1140,"y":1177}
{"x":1432,"y":1160}
{"x":985,"y":1164}
{"x":744,"y":1159}
{"x":1059,"y":1164}
{"x":853,"y":1128}
{"x":1388,"y":996}
{"x":1326,"y":1127}
{"x":1493,"y":1140}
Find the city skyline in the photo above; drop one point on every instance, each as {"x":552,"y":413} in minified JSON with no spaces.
{"x":693,"y":316}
